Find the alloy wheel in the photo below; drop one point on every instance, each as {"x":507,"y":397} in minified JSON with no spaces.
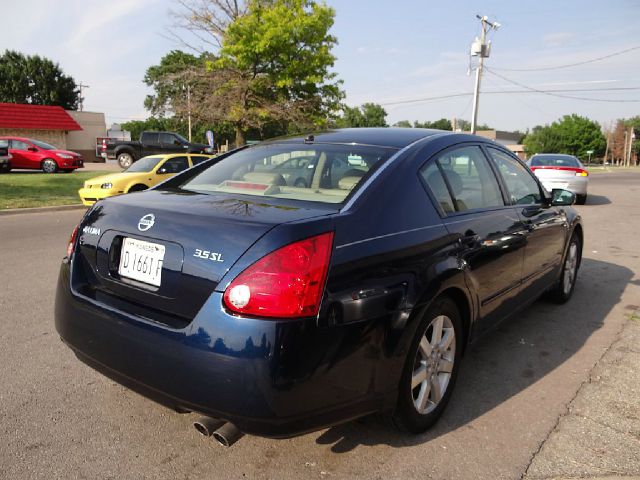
{"x":433,"y":364}
{"x":570,"y":267}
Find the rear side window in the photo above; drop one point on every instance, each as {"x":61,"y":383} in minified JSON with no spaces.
{"x":523,"y":189}
{"x":470,"y":179}
{"x":149,"y":137}
{"x":198,"y":159}
{"x":433,"y":178}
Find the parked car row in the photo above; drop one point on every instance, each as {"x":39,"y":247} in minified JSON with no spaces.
{"x":27,"y":153}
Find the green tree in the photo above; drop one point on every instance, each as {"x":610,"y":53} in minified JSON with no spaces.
{"x":442,"y":124}
{"x":402,"y":124}
{"x":572,"y":134}
{"x":635,"y":123}
{"x":35,"y":80}
{"x":271,"y":70}
{"x":170,"y":92}
{"x":367,"y":115}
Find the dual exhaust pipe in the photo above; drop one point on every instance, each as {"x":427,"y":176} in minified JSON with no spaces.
{"x":225,"y":433}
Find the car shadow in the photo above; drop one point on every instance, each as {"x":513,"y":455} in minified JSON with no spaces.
{"x":513,"y":357}
{"x":597,"y":200}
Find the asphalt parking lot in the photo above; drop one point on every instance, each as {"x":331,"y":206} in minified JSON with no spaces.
{"x":60,"y":419}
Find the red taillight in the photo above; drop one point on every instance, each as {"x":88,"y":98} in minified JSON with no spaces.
{"x":72,"y":242}
{"x":287,"y":283}
{"x":580,"y":172}
{"x":104,"y":144}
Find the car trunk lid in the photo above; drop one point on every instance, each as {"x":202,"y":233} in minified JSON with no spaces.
{"x":201,"y":237}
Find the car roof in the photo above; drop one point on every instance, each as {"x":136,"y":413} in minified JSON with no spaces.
{"x":555,"y":155}
{"x":384,"y":136}
{"x":11,"y":137}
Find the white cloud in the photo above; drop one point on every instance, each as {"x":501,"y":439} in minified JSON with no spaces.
{"x":558,"y":39}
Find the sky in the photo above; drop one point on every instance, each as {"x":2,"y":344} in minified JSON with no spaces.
{"x":389,"y":52}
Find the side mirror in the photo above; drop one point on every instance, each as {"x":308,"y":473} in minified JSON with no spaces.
{"x":32,"y":149}
{"x":562,"y":197}
{"x":162,"y":170}
{"x":177,"y":142}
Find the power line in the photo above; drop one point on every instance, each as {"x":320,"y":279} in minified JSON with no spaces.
{"x":506,"y":92}
{"x":553,"y":94}
{"x":557,"y":67}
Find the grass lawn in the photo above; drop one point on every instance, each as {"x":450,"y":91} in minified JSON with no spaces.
{"x":35,"y":189}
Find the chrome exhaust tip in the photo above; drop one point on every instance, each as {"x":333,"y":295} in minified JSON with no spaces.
{"x":227,"y":434}
{"x":207,"y":425}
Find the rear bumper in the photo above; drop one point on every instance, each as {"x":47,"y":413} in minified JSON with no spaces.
{"x":577,"y":185}
{"x":269,"y":378}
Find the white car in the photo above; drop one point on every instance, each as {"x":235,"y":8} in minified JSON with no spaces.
{"x":557,"y":170}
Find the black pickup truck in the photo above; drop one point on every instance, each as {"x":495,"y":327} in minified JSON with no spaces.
{"x":150,"y":143}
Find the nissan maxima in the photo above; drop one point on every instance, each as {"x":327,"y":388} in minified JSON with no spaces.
{"x":274,"y":309}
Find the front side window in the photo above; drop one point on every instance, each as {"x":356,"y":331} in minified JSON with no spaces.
{"x":174,"y":165}
{"x":167,"y":138}
{"x":315,"y":173}
{"x":470,"y":179}
{"x":523,"y":189}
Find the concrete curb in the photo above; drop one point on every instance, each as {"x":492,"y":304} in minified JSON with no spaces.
{"x":55,"y":208}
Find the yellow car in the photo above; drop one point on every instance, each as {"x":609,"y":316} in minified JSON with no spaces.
{"x":145,"y":173}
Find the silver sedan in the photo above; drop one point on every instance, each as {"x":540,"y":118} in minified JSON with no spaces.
{"x":557,"y":170}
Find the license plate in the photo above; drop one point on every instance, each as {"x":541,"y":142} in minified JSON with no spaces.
{"x":142,"y":261}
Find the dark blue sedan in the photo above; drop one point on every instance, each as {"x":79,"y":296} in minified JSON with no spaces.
{"x":275,"y":308}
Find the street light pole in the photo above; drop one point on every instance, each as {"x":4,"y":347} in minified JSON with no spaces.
{"x":481,"y":49}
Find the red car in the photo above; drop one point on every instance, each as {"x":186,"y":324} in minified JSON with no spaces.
{"x":34,"y":154}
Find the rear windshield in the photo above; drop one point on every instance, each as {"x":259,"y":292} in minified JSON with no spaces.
{"x":145,"y":164}
{"x":315,"y":173}
{"x":554,"y":161}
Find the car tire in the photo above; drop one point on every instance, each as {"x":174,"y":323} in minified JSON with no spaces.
{"x":300,"y":183}
{"x":137,"y":188}
{"x":581,"y":199}
{"x":5,"y":168}
{"x":563,"y":290}
{"x":49,"y":166}
{"x":419,"y":403}
{"x":125,"y":159}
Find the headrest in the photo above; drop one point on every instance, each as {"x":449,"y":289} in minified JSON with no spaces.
{"x":347,"y":183}
{"x":265,"y":177}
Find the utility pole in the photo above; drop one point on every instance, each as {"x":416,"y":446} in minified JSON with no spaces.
{"x":81,"y":86}
{"x":481,"y":49}
{"x":189,"y":109}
